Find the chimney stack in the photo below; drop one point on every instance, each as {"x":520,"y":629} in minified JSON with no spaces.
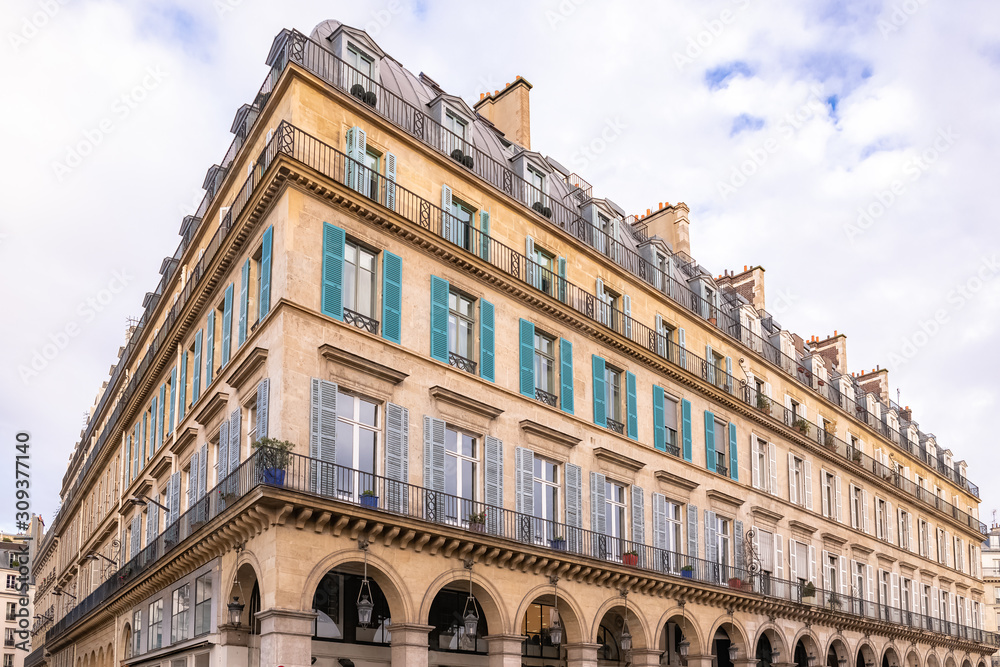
{"x":509,"y":111}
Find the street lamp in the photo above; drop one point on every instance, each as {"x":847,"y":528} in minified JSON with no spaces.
{"x":626,"y":638}
{"x":841,"y":661}
{"x":555,"y":627}
{"x":684,"y":646}
{"x":469,"y":616}
{"x":142,"y":500}
{"x":365,"y":604}
{"x":775,"y":654}
{"x":734,"y":652}
{"x":812,"y":659}
{"x":235,"y":611}
{"x":93,"y":555}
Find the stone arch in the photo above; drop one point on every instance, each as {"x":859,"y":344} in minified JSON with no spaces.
{"x":810,"y":642}
{"x":688,"y":626}
{"x":836,"y":650}
{"x":932,"y":659}
{"x":487,"y":595}
{"x":863,"y":654}
{"x":569,"y":613}
{"x":245,"y":576}
{"x":392,"y":585}
{"x":912,"y":658}
{"x":949,"y":660}
{"x":966,"y":662}
{"x":737,"y":635}
{"x":125,"y":641}
{"x":775,"y":637}
{"x":637,"y":625}
{"x":890,"y":656}
{"x":100,"y":657}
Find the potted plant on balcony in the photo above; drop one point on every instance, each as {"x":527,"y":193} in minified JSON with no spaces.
{"x":801,"y":425}
{"x":369,"y":499}
{"x":809,"y":593}
{"x":477,"y":522}
{"x":558,"y":543}
{"x":631,"y":557}
{"x":273,"y":457}
{"x":856,"y":456}
{"x":687,"y":572}
{"x":829,"y":439}
{"x":763,"y":403}
{"x":834,"y":601}
{"x":735,"y":582}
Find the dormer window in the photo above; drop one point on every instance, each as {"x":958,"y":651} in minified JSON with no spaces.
{"x":537,"y":191}
{"x":455,"y":124}
{"x":360,"y":61}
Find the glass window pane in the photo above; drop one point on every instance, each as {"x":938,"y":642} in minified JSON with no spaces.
{"x":468,"y":479}
{"x":345,"y":405}
{"x":451,"y":475}
{"x":468,"y":445}
{"x":451,"y":440}
{"x":366,"y":450}
{"x":368,"y":413}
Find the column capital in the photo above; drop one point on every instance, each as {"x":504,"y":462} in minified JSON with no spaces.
{"x":645,"y":657}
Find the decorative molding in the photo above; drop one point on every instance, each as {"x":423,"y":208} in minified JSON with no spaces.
{"x":724,"y":499}
{"x":672,"y":480}
{"x":800,"y":527}
{"x":464,"y":402}
{"x":211,"y":409}
{"x":549,"y":434}
{"x":861,"y":550}
{"x":885,"y":558}
{"x":182,"y":439}
{"x":254,"y":360}
{"x":833,"y":539}
{"x":358,"y":363}
{"x":608,"y":456}
{"x":765,"y":516}
{"x":163,"y":465}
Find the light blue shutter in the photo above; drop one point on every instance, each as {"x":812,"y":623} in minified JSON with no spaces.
{"x":734,"y":459}
{"x":263,"y":391}
{"x":598,"y":500}
{"x":135,"y":452}
{"x":711,"y":543}
{"x":174,"y":498}
{"x":439,"y":319}
{"x":152,"y":525}
{"x":227,"y":324}
{"x":152,"y":426}
{"x":332,"y":298}
{"x":390,"y":181}
{"x":566,"y":375}
{"x":600,"y":392}
{"x":265,"y":275}
{"x":222,"y":464}
{"x":162,"y":417}
{"x":397,"y":457}
{"x":627,"y":308}
{"x":574,"y":506}
{"x":631,"y":406}
{"x":527,"y":358}
{"x":709,"y":440}
{"x":203,"y":471}
{"x":524,"y":481}
{"x":729,"y":374}
{"x":686,"y":426}
{"x":136,"y":538}
{"x":692,"y":550}
{"x":638,"y":515}
{"x":235,"y":429}
{"x":209,"y":348}
{"x":128,"y":460}
{"x":682,"y":348}
{"x":392,"y":297}
{"x":486,"y":340}
{"x":562,"y":279}
{"x":659,"y":432}
{"x":434,"y":456}
{"x":244,"y":298}
{"x":145,"y":438}
{"x":357,"y":147}
{"x":182,"y":398}
{"x":493,"y":480}
{"x":709,"y":365}
{"x":448,"y":222}
{"x":660,"y":521}
{"x":193,"y":484}
{"x":530,"y":268}
{"x":196,"y":380}
{"x":173,"y":398}
{"x":484,"y":238}
{"x":323,"y":436}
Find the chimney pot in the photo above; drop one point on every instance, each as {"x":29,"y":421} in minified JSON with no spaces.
{"x":648,"y":211}
{"x":661,"y":207}
{"x":482,"y":95}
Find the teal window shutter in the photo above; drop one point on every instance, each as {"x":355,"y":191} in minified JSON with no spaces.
{"x":562,"y":279}
{"x":332,"y":298}
{"x":734,"y":459}
{"x":196,"y":379}
{"x":145,"y":438}
{"x":566,"y":375}
{"x":484,"y":238}
{"x":486,"y":340}
{"x":244,"y":293}
{"x":710,"y":440}
{"x":227,"y":324}
{"x":173,"y":398}
{"x":209,"y":348}
{"x":631,"y":406}
{"x":265,"y":274}
{"x":392,"y":297}
{"x":162,"y":416}
{"x":659,"y":432}
{"x":182,"y":394}
{"x":600,"y":392}
{"x":527,"y":358}
{"x":439,"y":319}
{"x":152,"y":424}
{"x":686,"y":425}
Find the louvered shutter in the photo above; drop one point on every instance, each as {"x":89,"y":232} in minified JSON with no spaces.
{"x":531,"y":269}
{"x":600,"y":391}
{"x":709,"y":365}
{"x":244,"y":302}
{"x":494,"y":485}
{"x":227,"y":324}
{"x":889,"y":523}
{"x":772,"y":463}
{"x":638,"y":516}
{"x":807,"y":480}
{"x":323,"y":436}
{"x":868,"y":578}
{"x":203,"y":472}
{"x":686,"y":427}
{"x":682,"y":350}
{"x":659,"y":521}
{"x":855,"y":519}
{"x":755,"y":471}
{"x":659,"y":429}
{"x":734,"y":458}
{"x":392,"y":297}
{"x":865,"y":508}
{"x":710,"y":440}
{"x":526,"y":357}
{"x":222,"y":464}
{"x":397,"y":457}
{"x":711,"y":538}
{"x":209,"y":348}
{"x":175,"y":498}
{"x":173,"y":399}
{"x":135,"y":536}
{"x":793,"y":559}
{"x":692,"y":530}
{"x":234,"y":441}
{"x":357,"y":145}
{"x":793,"y":492}
{"x":839,"y":504}
{"x":151,"y":523}
{"x":566,"y":375}
{"x":627,"y":306}
{"x":439,"y":319}
{"x":484,"y":236}
{"x":265,"y":275}
{"x":486,"y":340}
{"x":434,"y":456}
{"x":894,"y":578}
{"x":161,"y":417}
{"x":263,"y":391}
{"x":193,"y":484}
{"x":812,"y":564}
{"x":844,"y":583}
{"x":632,"y":409}
{"x":738,"y":554}
{"x":196,"y":369}
{"x":602,"y":307}
{"x":598,"y":501}
{"x":779,"y":557}
{"x":524,"y":481}
{"x":825,"y":491}
{"x":562,"y":279}
{"x":390,"y":181}
{"x":574,"y":506}
{"x":729,"y":375}
{"x":332,"y":297}
{"x":909,"y":527}
{"x":827,"y":572}
{"x":661,"y":341}
{"x":448,"y":222}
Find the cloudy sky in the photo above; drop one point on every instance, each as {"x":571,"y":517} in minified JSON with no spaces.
{"x":848,"y":147}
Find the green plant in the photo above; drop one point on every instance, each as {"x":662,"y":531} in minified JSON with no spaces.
{"x":687,"y":568}
{"x":801,"y":425}
{"x":762,"y":402}
{"x":808,"y":589}
{"x":631,"y":552}
{"x":273,"y":453}
{"x":7,"y":539}
{"x":477,"y":518}
{"x":368,"y":492}
{"x":834,"y":600}
{"x":856,"y":455}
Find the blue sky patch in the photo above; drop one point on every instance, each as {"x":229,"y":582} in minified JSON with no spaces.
{"x":718,"y":77}
{"x":746,"y":123}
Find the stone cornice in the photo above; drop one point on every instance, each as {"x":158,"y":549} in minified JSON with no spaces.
{"x":210,"y":409}
{"x":464,"y":402}
{"x":366,"y":366}
{"x":671,"y":479}
{"x":724,"y":499}
{"x":614,"y":458}
{"x":242,"y":373}
{"x":183,"y":439}
{"x":549,"y":434}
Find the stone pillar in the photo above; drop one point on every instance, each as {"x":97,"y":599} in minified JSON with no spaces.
{"x":505,"y":650}
{"x":707,"y":660}
{"x":581,"y":655}
{"x":286,"y":637}
{"x":645,"y":657}
{"x":233,"y":645}
{"x":409,"y":644}
{"x":745,"y":662}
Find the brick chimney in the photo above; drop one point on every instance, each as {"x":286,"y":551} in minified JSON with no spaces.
{"x":509,"y":111}
{"x":876,"y":382}
{"x":670,"y":223}
{"x":749,"y":284}
{"x":834,"y":351}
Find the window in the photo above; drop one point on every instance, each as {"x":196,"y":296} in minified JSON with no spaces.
{"x":613,"y":398}
{"x":8,"y":637}
{"x":830,"y":568}
{"x":358,"y":426}
{"x":11,"y":611}
{"x":11,"y":581}
{"x":608,"y":307}
{"x":155,"y":639}
{"x":545,"y":367}
{"x":721,"y":448}
{"x":8,"y":660}
{"x":136,"y":633}
{"x":857,"y":508}
{"x":455,"y":124}
{"x":464,"y":222}
{"x":547,"y":271}
{"x":829,"y":483}
{"x":881,"y":519}
{"x":361,"y":61}
{"x":723,"y":538}
{"x":546,"y":495}
{"x":942,"y":547}
{"x":614,"y":516}
{"x":904,"y":529}
{"x":860,"y":572}
{"x":180,"y":602}
{"x":461,"y":331}
{"x":673,"y":534}
{"x":359,"y":281}
{"x":924,"y":531}
{"x":203,"y":604}
{"x":670,"y":425}
{"x":797,"y":481}
{"x":460,"y":468}
{"x":535,"y":629}
{"x":370,"y":175}
{"x":536,"y":193}
{"x":905,"y":586}
{"x":253,"y":303}
{"x":665,"y":339}
{"x":603,"y":233}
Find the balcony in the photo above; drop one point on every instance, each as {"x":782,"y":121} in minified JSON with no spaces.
{"x":461,"y":363}
{"x":546,"y":398}
{"x":615,"y":426}
{"x":361,"y":321}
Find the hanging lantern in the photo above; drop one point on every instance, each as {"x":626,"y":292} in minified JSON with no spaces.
{"x":841,"y":661}
{"x":684,"y":647}
{"x":626,"y":638}
{"x":365,"y":604}
{"x":555,"y":626}
{"x":235,"y":611}
{"x":734,"y":652}
{"x":812,"y":659}
{"x":775,"y":654}
{"x":469,"y":616}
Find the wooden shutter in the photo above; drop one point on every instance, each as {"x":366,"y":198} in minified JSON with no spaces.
{"x":439,"y":319}
{"x":692,"y":530}
{"x":135,"y":537}
{"x":755,"y":471}
{"x":193,"y":484}
{"x":844,"y":580}
{"x":173,"y":399}
{"x":494,"y":485}
{"x":203,"y":472}
{"x":659,"y":521}
{"x":562,"y":279}
{"x":397,"y":457}
{"x":825,"y":491}
{"x":598,"y":500}
{"x":779,"y":557}
{"x":865,"y":509}
{"x":174,"y":503}
{"x":793,"y":492}
{"x":632,"y":410}
{"x":526,"y":357}
{"x":222,"y":464}
{"x":209,"y":348}
{"x":812,"y":564}
{"x":151,"y":523}
{"x":264,"y":305}
{"x":839,"y":507}
{"x":807,"y":480}
{"x":686,"y":428}
{"x":681,"y":349}
{"x":574,"y":505}
{"x":161,"y":417}
{"x":772,"y":463}
{"x":332,"y":296}
{"x":600,"y":391}
{"x":323,"y":436}
{"x":434,"y":436}
{"x":524,"y":481}
{"x":711,"y":533}
{"x":734,"y":458}
{"x":227,"y":324}
{"x":484,"y":237}
{"x":709,"y":440}
{"x":244,"y":299}
{"x":392,"y":297}
{"x":448,"y":223}
{"x":390,"y":181}
{"x":566,"y":375}
{"x":531,"y":269}
{"x":889,"y":523}
{"x":638,"y":515}
{"x":235,"y":427}
{"x":659,"y":432}
{"x":486,"y":340}
{"x":738,"y":547}
{"x":709,"y":365}
{"x":627,"y":307}
{"x":196,"y":380}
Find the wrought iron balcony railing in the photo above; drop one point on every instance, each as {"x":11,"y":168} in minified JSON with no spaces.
{"x":361,"y":321}
{"x":461,"y":363}
{"x":546,"y":398}
{"x":615,"y":426}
